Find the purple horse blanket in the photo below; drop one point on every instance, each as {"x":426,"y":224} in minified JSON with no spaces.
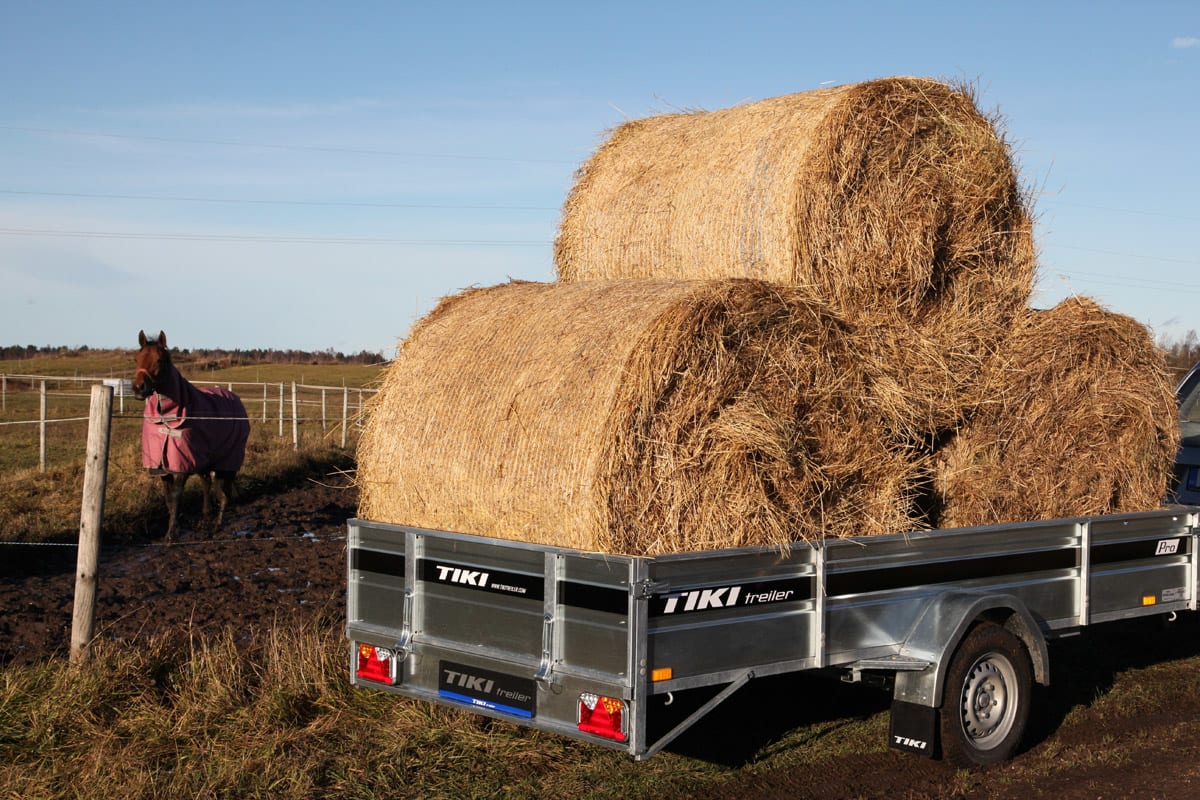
{"x":190,"y":429}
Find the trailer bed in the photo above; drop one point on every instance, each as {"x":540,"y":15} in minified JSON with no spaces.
{"x":594,"y":645}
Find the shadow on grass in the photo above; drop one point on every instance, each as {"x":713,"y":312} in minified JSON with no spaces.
{"x":1084,"y":668}
{"x":767,"y":710}
{"x":761,"y":713}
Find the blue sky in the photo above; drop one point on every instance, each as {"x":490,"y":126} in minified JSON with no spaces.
{"x":316,"y":175}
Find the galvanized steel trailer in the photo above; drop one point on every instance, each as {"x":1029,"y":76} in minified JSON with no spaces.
{"x":598,"y":646}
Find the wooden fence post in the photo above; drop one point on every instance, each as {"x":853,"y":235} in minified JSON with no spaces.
{"x":264,"y":419}
{"x":281,"y":410}
{"x":95,"y":477}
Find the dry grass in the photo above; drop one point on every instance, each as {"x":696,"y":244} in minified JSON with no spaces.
{"x":1079,"y":419}
{"x":634,"y":417}
{"x":272,"y":715}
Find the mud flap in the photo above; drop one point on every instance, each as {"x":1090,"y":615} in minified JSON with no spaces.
{"x":913,"y":729}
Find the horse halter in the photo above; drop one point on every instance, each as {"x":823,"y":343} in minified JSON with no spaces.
{"x":146,"y":383}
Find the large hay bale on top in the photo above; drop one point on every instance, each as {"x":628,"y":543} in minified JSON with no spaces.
{"x":894,"y":201}
{"x":632,"y":417}
{"x":893,"y":197}
{"x":1079,"y":419}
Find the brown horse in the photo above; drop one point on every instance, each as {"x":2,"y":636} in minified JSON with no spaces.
{"x":187,"y":430}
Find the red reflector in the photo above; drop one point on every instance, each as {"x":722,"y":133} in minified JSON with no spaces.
{"x":375,"y":664}
{"x":602,"y":716}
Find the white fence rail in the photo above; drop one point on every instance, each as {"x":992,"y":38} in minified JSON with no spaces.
{"x":337,"y":409}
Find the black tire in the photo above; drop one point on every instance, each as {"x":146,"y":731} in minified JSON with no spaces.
{"x":987,"y":697}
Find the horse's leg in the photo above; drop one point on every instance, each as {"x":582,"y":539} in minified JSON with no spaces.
{"x":172,"y":485}
{"x":224,"y":489}
{"x":206,"y":479}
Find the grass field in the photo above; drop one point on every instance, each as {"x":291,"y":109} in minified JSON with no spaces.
{"x":270,"y":713}
{"x":37,"y":505}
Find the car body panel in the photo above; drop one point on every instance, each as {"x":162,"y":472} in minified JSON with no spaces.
{"x":1185,"y":483}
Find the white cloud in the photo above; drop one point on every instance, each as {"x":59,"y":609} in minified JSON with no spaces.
{"x":1180,"y":42}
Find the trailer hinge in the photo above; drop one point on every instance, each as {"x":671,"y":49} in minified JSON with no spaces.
{"x":403,"y":646}
{"x":643,"y":590}
{"x":545,"y":673}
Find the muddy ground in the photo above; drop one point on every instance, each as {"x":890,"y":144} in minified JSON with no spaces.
{"x":283,"y":554}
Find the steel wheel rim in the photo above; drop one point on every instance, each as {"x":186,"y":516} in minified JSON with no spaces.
{"x":989,"y":698}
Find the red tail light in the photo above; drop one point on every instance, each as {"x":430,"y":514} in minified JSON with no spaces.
{"x":376,"y":664}
{"x":602,"y":716}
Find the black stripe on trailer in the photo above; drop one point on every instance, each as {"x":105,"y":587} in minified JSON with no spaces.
{"x":513,"y":584}
{"x":483,"y":579}
{"x":963,"y":569}
{"x":594,"y":598}
{"x":732,"y":595}
{"x":1142,"y":550}
{"x":390,"y":564}
{"x":878,"y":580}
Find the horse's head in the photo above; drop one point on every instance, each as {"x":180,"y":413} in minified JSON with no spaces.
{"x":153,"y":363}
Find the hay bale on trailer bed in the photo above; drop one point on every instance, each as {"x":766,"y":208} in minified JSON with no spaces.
{"x":633,"y":417}
{"x":891,"y":197}
{"x":894,"y":201}
{"x":1080,"y":419}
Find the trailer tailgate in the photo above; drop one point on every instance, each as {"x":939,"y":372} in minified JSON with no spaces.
{"x":508,"y":628}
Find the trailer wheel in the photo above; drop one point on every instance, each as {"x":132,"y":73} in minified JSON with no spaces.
{"x":988,"y":694}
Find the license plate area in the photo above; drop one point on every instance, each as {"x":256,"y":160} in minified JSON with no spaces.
{"x":485,"y":688}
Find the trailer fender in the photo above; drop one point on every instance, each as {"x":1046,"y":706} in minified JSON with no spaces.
{"x":943,"y":623}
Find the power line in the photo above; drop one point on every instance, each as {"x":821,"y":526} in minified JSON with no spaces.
{"x":174,"y":198}
{"x":215,"y":237}
{"x":1056,"y":201}
{"x":273,"y":146}
{"x":1147,"y":282}
{"x":1125,"y":255}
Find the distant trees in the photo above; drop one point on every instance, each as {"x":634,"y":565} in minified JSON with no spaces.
{"x":13,"y":352}
{"x":216,"y":357}
{"x":1181,"y":354}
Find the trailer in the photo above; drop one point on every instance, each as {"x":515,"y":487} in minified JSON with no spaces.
{"x":601,"y":647}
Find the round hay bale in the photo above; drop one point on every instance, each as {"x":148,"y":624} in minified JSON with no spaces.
{"x":893,"y":198}
{"x":1080,"y":419}
{"x":633,"y":417}
{"x":894,"y":201}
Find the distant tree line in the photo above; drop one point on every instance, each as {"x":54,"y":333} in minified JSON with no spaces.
{"x":1183,"y":353}
{"x":215,"y":357}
